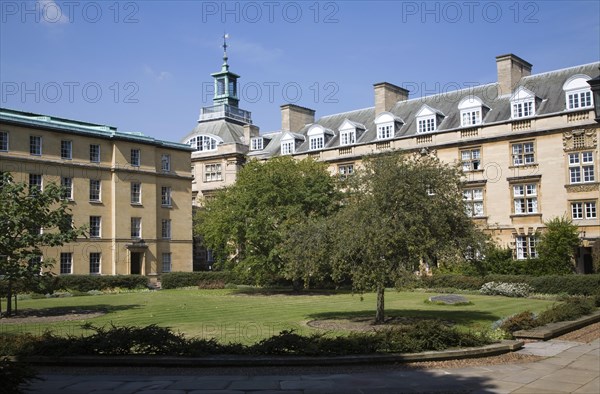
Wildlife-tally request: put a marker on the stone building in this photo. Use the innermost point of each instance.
(132, 191)
(528, 145)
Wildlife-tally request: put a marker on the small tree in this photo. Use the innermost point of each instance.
(557, 246)
(245, 223)
(24, 211)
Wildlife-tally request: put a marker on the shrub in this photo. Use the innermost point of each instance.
(206, 279)
(521, 321)
(85, 283)
(421, 336)
(551, 284)
(572, 308)
(506, 289)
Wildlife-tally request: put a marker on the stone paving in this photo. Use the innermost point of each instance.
(570, 367)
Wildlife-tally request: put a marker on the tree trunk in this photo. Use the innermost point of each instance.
(379, 315)
(16, 310)
(9, 299)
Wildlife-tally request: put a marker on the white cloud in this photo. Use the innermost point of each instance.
(157, 75)
(51, 13)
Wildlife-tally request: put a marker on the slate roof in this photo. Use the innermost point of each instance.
(547, 87)
(226, 129)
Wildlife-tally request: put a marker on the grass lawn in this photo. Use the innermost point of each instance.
(231, 316)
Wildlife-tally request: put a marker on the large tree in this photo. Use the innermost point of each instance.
(401, 211)
(30, 219)
(244, 223)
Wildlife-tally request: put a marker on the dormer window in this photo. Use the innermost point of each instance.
(203, 143)
(427, 119)
(386, 125)
(350, 132)
(288, 143)
(316, 142)
(257, 143)
(578, 93)
(348, 137)
(287, 147)
(318, 137)
(427, 124)
(522, 104)
(471, 111)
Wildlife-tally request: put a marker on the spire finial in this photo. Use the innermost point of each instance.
(225, 37)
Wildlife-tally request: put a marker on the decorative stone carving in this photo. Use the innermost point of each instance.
(582, 188)
(580, 139)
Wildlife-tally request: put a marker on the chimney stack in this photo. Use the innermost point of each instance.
(250, 131)
(511, 69)
(387, 95)
(295, 117)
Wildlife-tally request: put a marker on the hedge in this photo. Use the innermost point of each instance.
(205, 279)
(86, 283)
(550, 284)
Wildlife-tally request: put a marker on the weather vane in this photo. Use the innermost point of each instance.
(225, 37)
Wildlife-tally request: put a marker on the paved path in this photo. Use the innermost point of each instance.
(570, 367)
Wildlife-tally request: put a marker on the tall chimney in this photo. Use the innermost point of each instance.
(387, 95)
(511, 69)
(250, 131)
(295, 117)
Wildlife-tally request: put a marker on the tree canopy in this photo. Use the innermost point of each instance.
(244, 224)
(400, 211)
(557, 245)
(24, 212)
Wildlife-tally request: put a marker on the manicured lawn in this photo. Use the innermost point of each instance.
(233, 317)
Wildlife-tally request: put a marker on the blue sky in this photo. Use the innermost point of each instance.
(145, 65)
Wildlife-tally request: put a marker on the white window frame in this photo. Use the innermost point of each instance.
(4, 141)
(581, 167)
(67, 185)
(95, 226)
(348, 137)
(523, 153)
(345, 170)
(66, 263)
(95, 263)
(470, 117)
(136, 193)
(525, 247)
(165, 162)
(203, 143)
(316, 142)
(426, 124)
(165, 196)
(578, 93)
(35, 145)
(95, 190)
(165, 230)
(575, 99)
(136, 157)
(584, 210)
(473, 198)
(288, 147)
(167, 262)
(385, 131)
(471, 159)
(213, 172)
(525, 198)
(522, 109)
(66, 149)
(95, 153)
(136, 227)
(257, 143)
